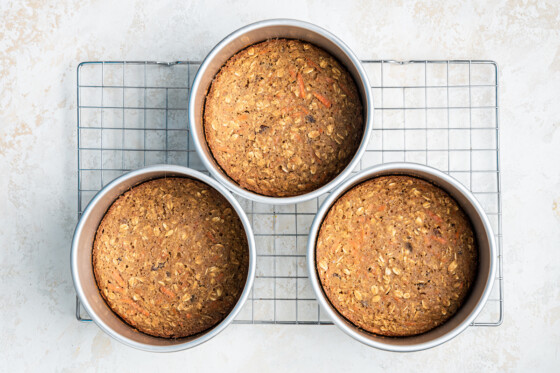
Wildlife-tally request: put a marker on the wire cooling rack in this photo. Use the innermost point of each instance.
(440, 113)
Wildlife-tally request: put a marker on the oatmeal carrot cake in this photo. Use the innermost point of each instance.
(170, 257)
(283, 118)
(396, 256)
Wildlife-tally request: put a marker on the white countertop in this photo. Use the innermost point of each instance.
(40, 47)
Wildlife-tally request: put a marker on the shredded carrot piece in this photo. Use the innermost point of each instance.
(135, 306)
(301, 85)
(313, 64)
(115, 288)
(243, 117)
(304, 109)
(381, 208)
(297, 113)
(438, 239)
(143, 312)
(189, 316)
(167, 292)
(287, 109)
(223, 149)
(434, 216)
(292, 73)
(210, 236)
(325, 101)
(118, 278)
(346, 90)
(128, 301)
(354, 243)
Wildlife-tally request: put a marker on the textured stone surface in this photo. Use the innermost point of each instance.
(40, 47)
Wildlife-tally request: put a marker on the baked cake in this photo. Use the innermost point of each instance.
(396, 256)
(283, 118)
(170, 257)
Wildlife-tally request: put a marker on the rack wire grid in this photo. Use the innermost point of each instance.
(440, 113)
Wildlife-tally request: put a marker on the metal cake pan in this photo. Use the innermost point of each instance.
(82, 268)
(481, 288)
(254, 33)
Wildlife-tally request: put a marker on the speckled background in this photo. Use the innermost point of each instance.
(40, 47)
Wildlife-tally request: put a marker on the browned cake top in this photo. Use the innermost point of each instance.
(283, 118)
(171, 257)
(396, 256)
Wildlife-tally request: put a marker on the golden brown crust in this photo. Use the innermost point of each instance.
(396, 256)
(266, 135)
(170, 257)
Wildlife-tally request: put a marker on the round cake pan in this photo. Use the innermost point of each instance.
(82, 268)
(254, 33)
(481, 288)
